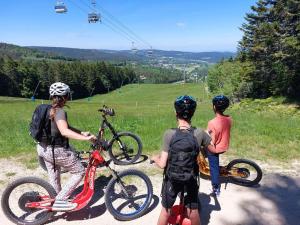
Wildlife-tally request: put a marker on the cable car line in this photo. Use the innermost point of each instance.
(113, 23)
(110, 21)
(125, 35)
(120, 26)
(104, 23)
(78, 6)
(116, 26)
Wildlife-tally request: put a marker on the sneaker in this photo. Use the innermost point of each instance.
(216, 192)
(60, 205)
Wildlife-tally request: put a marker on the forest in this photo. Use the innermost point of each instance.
(25, 72)
(25, 78)
(268, 59)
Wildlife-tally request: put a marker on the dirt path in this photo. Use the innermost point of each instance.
(276, 201)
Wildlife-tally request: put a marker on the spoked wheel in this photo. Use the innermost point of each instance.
(244, 172)
(23, 191)
(125, 148)
(129, 196)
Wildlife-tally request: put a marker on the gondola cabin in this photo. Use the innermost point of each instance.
(94, 17)
(60, 7)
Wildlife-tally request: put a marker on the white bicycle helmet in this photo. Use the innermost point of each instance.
(59, 89)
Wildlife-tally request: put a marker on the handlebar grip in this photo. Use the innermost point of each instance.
(107, 111)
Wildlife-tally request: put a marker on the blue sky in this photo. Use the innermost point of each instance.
(187, 25)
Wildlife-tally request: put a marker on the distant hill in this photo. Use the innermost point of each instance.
(90, 54)
(210, 57)
(17, 52)
(141, 55)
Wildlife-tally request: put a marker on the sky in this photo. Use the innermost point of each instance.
(184, 25)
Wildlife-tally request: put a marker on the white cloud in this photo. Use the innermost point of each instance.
(180, 24)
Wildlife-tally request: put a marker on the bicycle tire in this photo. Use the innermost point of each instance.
(241, 180)
(116, 212)
(122, 159)
(8, 191)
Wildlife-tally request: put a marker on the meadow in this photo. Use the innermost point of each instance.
(147, 110)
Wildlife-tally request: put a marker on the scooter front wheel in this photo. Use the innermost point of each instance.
(244, 172)
(129, 195)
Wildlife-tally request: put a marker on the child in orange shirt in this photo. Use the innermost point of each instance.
(219, 129)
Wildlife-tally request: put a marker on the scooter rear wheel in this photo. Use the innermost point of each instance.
(22, 191)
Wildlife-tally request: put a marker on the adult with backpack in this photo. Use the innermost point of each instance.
(51, 130)
(178, 158)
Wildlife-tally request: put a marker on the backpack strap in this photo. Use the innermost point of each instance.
(195, 138)
(192, 130)
(53, 158)
(52, 142)
(165, 169)
(165, 177)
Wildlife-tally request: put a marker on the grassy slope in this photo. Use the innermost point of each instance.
(147, 110)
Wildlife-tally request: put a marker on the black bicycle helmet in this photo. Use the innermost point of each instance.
(221, 102)
(185, 106)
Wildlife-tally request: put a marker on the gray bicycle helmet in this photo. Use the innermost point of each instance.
(59, 89)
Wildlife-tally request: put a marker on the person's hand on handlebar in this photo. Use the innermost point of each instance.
(85, 133)
(90, 137)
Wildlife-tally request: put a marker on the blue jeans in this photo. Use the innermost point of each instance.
(213, 159)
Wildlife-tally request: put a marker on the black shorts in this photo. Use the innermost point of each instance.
(170, 191)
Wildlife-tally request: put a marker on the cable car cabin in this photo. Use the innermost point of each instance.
(149, 52)
(134, 50)
(93, 17)
(60, 7)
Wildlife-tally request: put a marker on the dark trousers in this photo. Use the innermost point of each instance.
(213, 159)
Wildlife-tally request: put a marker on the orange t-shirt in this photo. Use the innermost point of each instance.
(220, 132)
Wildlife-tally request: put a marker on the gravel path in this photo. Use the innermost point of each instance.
(275, 201)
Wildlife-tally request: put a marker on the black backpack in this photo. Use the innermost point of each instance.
(182, 163)
(40, 126)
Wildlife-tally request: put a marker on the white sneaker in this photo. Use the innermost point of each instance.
(60, 205)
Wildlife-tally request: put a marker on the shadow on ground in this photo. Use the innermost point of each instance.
(277, 203)
(206, 207)
(284, 193)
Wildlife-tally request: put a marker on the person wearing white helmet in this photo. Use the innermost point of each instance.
(59, 89)
(59, 154)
